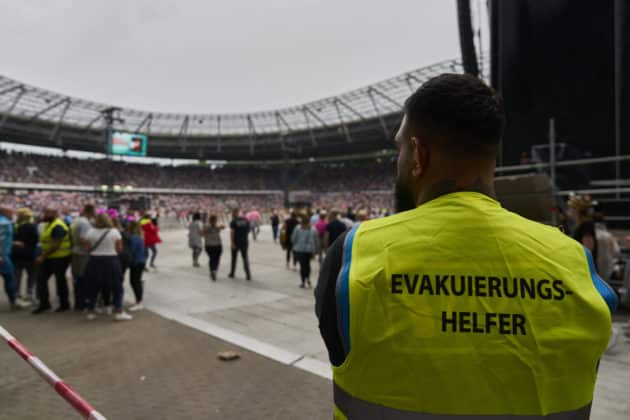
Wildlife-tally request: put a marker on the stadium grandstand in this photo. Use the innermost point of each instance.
(333, 152)
(337, 151)
(359, 121)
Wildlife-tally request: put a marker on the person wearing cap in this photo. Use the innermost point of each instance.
(25, 238)
(6, 265)
(455, 307)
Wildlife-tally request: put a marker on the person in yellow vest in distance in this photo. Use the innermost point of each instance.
(455, 307)
(54, 260)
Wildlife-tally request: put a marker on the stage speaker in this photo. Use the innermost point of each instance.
(555, 59)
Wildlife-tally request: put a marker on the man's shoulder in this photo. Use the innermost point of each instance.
(523, 225)
(336, 224)
(376, 225)
(82, 222)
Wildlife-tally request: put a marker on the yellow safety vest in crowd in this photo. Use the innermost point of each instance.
(462, 308)
(65, 249)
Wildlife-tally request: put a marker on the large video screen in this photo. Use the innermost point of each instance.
(128, 144)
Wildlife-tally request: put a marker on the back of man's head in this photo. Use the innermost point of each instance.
(459, 112)
(448, 140)
(88, 210)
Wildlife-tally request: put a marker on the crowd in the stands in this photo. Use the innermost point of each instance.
(40, 169)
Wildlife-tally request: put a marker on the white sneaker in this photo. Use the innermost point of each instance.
(99, 310)
(122, 316)
(109, 310)
(22, 303)
(136, 307)
(90, 316)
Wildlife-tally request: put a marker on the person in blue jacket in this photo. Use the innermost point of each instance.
(6, 243)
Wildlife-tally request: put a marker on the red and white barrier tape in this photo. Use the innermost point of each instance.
(67, 393)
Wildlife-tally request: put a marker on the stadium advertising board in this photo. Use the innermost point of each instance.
(128, 144)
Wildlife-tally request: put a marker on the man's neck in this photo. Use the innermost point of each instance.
(448, 186)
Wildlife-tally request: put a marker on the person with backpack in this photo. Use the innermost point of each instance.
(138, 260)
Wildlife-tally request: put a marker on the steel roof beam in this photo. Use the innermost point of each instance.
(12, 106)
(317, 117)
(281, 136)
(219, 134)
(93, 121)
(386, 97)
(11, 89)
(409, 78)
(279, 118)
(182, 140)
(354, 111)
(55, 131)
(147, 120)
(48, 108)
(380, 116)
(252, 134)
(310, 129)
(343, 124)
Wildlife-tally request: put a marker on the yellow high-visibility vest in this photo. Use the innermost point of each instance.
(462, 308)
(46, 239)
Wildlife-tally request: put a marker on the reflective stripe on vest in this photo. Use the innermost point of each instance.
(342, 291)
(65, 248)
(460, 307)
(353, 408)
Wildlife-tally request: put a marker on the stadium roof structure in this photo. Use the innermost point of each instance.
(359, 121)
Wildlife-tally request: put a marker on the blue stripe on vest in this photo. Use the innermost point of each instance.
(602, 287)
(342, 291)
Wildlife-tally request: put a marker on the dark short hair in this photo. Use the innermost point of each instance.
(89, 209)
(458, 107)
(196, 216)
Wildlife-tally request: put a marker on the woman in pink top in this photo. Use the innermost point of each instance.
(320, 227)
(254, 222)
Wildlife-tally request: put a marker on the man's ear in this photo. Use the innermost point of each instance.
(420, 154)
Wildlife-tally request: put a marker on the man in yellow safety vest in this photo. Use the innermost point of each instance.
(455, 307)
(54, 260)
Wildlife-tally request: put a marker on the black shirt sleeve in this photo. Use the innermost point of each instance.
(325, 301)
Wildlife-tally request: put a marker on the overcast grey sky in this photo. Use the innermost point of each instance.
(219, 55)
